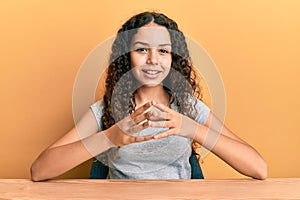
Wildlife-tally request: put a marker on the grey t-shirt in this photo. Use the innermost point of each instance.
(166, 158)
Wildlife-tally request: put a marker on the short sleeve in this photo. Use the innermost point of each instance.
(202, 112)
(97, 109)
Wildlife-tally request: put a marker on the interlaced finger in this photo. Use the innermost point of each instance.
(156, 114)
(162, 107)
(141, 109)
(140, 118)
(137, 128)
(161, 124)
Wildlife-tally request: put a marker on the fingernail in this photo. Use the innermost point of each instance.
(155, 137)
(145, 124)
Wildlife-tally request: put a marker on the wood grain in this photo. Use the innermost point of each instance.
(150, 189)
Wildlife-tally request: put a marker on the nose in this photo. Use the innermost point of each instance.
(152, 57)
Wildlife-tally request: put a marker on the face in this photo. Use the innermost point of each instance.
(150, 54)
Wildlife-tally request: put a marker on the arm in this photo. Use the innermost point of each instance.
(230, 148)
(84, 142)
(214, 136)
(67, 152)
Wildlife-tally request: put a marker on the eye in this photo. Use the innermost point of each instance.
(142, 50)
(163, 51)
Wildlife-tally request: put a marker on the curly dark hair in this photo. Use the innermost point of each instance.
(120, 85)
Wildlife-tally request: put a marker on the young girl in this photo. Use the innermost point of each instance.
(150, 115)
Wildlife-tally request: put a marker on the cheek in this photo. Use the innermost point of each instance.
(136, 60)
(132, 63)
(167, 62)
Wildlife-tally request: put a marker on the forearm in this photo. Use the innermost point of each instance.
(241, 156)
(58, 160)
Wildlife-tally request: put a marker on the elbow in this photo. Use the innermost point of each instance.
(262, 172)
(34, 174)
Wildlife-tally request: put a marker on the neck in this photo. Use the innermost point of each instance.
(145, 94)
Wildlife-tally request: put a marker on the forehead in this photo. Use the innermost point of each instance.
(152, 35)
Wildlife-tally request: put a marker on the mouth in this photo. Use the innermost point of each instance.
(151, 72)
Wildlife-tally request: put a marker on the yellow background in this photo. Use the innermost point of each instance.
(255, 45)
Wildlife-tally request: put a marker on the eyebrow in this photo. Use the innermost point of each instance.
(146, 44)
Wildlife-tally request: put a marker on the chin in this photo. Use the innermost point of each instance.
(151, 84)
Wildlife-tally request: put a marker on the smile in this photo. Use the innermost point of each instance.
(151, 72)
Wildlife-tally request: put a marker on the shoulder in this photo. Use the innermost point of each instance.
(201, 109)
(98, 104)
(97, 109)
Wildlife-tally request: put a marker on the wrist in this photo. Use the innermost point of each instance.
(97, 143)
(188, 127)
(111, 135)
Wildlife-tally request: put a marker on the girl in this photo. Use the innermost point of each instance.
(150, 114)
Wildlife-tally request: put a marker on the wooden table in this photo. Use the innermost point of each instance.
(150, 189)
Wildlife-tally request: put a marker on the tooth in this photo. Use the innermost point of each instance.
(151, 72)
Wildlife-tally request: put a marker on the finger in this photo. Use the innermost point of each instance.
(137, 128)
(143, 138)
(162, 107)
(165, 134)
(156, 114)
(161, 124)
(140, 114)
(141, 109)
(140, 118)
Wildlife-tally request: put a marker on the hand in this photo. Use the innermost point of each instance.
(121, 133)
(162, 116)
